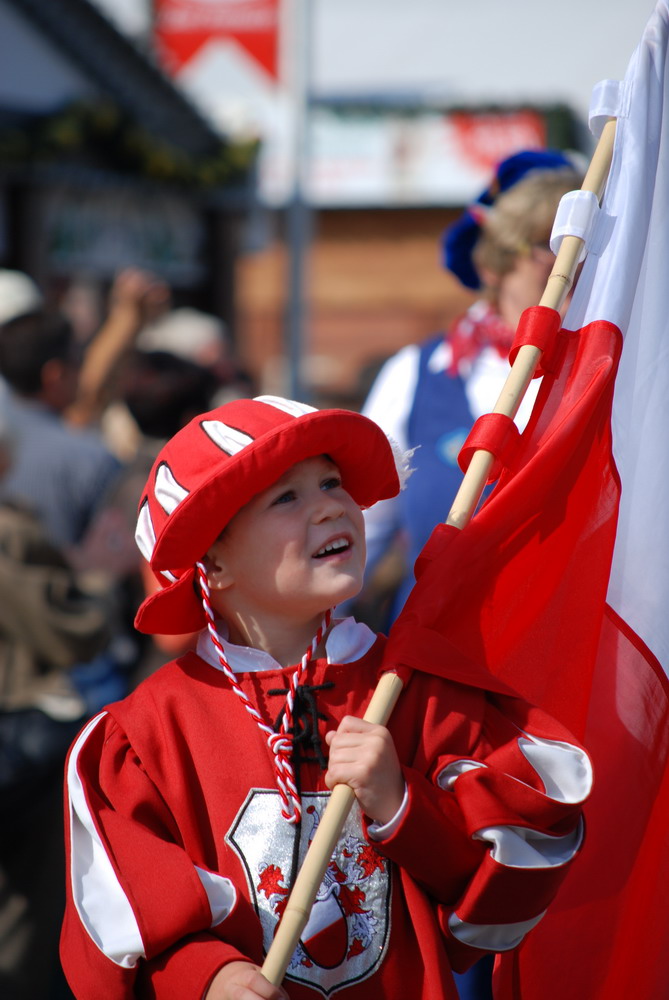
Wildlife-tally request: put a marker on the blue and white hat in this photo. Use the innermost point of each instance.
(459, 240)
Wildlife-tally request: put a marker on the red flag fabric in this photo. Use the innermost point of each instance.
(560, 583)
(516, 592)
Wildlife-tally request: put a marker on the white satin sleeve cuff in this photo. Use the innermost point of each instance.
(221, 894)
(386, 830)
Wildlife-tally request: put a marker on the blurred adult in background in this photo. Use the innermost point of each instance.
(59, 472)
(141, 317)
(428, 395)
(49, 625)
(135, 299)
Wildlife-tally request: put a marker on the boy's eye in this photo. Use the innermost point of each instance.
(283, 498)
(331, 483)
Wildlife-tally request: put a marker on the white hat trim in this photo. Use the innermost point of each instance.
(145, 534)
(290, 406)
(228, 439)
(169, 493)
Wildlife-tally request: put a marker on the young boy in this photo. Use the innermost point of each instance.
(191, 803)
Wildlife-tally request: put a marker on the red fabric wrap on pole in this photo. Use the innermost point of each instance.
(496, 433)
(539, 326)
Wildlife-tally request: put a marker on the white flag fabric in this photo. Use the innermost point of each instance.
(607, 936)
(625, 279)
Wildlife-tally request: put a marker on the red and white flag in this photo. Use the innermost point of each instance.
(560, 584)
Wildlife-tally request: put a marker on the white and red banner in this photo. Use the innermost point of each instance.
(184, 27)
(560, 584)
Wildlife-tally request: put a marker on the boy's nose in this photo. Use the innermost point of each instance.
(327, 507)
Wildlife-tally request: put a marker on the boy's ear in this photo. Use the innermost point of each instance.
(219, 577)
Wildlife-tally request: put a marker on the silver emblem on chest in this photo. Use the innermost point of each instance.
(347, 933)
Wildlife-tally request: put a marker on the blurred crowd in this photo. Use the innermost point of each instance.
(84, 409)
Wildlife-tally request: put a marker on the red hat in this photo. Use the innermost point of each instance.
(214, 465)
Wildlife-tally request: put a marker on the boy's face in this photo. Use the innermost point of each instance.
(294, 550)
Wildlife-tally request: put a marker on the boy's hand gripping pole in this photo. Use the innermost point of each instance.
(383, 701)
(327, 834)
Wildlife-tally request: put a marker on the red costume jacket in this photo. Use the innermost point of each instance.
(179, 860)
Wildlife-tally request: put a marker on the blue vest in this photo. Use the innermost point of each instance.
(439, 422)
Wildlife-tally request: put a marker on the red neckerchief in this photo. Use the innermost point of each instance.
(478, 328)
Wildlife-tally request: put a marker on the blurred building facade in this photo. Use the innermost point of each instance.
(105, 164)
(381, 169)
(385, 181)
(400, 114)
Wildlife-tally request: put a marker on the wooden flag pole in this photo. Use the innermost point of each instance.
(390, 685)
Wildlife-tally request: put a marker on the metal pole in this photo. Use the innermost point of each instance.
(298, 214)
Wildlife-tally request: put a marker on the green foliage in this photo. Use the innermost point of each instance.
(101, 135)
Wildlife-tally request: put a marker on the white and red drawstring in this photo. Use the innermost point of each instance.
(281, 743)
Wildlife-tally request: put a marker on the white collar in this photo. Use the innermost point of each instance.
(347, 641)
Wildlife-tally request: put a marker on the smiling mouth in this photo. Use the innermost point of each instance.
(333, 548)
